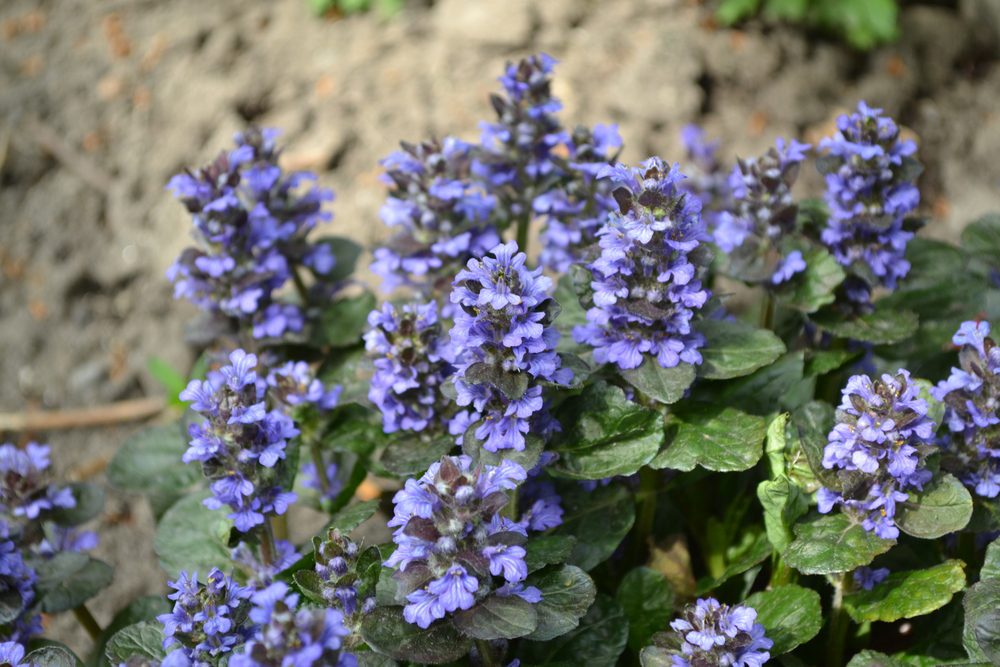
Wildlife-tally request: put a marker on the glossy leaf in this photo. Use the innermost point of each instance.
(567, 594)
(343, 321)
(51, 656)
(814, 288)
(791, 615)
(648, 601)
(604, 434)
(346, 252)
(981, 635)
(192, 537)
(387, 632)
(665, 385)
(883, 326)
(715, 437)
(69, 579)
(150, 461)
(832, 543)
(784, 503)
(497, 617)
(597, 642)
(141, 640)
(907, 594)
(545, 550)
(944, 506)
(89, 503)
(734, 349)
(779, 386)
(598, 519)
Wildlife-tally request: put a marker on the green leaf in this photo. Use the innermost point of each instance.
(411, 456)
(311, 586)
(991, 563)
(981, 635)
(734, 349)
(353, 516)
(571, 314)
(815, 287)
(821, 362)
(150, 461)
(89, 503)
(342, 322)
(604, 434)
(982, 239)
(883, 326)
(734, 11)
(784, 503)
(354, 428)
(597, 642)
(832, 543)
(69, 579)
(192, 537)
(780, 386)
(812, 424)
(347, 253)
(142, 640)
(715, 437)
(567, 594)
(497, 617)
(791, 616)
(907, 594)
(874, 659)
(387, 632)
(352, 370)
(944, 506)
(753, 550)
(648, 601)
(545, 550)
(935, 408)
(51, 656)
(775, 444)
(666, 385)
(145, 608)
(527, 458)
(598, 519)
(172, 381)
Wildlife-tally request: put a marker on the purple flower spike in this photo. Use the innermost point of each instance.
(710, 633)
(250, 221)
(411, 365)
(646, 290)
(454, 548)
(878, 448)
(870, 190)
(971, 395)
(241, 444)
(504, 348)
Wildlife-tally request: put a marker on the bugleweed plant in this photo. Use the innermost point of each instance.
(593, 450)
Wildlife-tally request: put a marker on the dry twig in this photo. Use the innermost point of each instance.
(101, 415)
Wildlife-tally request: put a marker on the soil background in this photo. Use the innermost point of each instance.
(101, 101)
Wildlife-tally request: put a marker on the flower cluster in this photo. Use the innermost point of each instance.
(25, 492)
(542, 502)
(517, 153)
(441, 214)
(451, 539)
(208, 619)
(575, 208)
(504, 347)
(710, 633)
(645, 284)
(971, 395)
(411, 365)
(878, 448)
(259, 572)
(762, 213)
(343, 571)
(17, 588)
(708, 179)
(290, 634)
(250, 221)
(870, 190)
(241, 443)
(294, 384)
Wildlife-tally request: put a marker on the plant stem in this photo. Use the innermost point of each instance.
(767, 310)
(839, 623)
(300, 285)
(320, 465)
(485, 653)
(647, 513)
(87, 621)
(280, 527)
(267, 548)
(522, 233)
